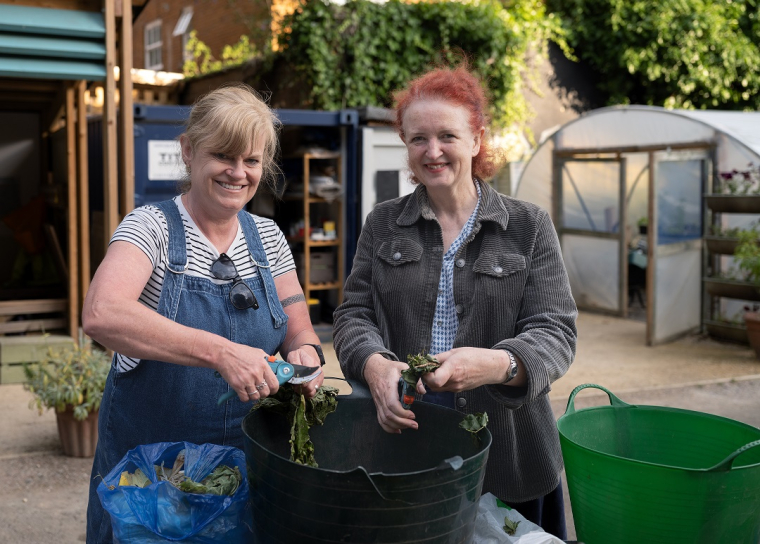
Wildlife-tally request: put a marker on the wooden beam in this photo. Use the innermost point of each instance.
(21, 96)
(72, 223)
(30, 325)
(56, 109)
(84, 191)
(28, 85)
(126, 120)
(34, 306)
(110, 153)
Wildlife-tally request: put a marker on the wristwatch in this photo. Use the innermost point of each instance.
(321, 355)
(512, 370)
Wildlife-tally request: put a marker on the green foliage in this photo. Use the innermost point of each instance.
(418, 365)
(357, 54)
(673, 53)
(747, 255)
(68, 377)
(203, 62)
(474, 423)
(301, 414)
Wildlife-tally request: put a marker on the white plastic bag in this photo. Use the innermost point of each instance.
(489, 525)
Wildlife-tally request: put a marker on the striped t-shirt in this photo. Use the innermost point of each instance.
(146, 228)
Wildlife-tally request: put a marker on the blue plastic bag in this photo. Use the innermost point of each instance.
(161, 512)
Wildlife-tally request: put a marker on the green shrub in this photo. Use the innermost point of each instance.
(356, 54)
(692, 54)
(66, 377)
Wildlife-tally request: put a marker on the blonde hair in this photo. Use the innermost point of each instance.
(231, 120)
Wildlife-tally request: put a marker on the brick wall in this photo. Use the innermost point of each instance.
(217, 22)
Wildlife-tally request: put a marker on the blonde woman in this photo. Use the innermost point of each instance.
(193, 286)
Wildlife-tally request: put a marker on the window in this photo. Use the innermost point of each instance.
(153, 46)
(182, 28)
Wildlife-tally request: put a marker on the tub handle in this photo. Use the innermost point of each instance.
(377, 489)
(614, 401)
(726, 464)
(454, 463)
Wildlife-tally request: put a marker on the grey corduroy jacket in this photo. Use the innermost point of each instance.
(511, 292)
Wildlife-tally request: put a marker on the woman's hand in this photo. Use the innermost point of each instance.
(307, 356)
(463, 369)
(246, 370)
(382, 377)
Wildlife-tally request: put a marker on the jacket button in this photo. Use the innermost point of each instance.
(498, 269)
(459, 308)
(461, 402)
(460, 263)
(397, 256)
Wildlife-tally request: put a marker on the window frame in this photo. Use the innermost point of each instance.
(152, 47)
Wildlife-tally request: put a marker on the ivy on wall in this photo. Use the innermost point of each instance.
(673, 53)
(356, 54)
(201, 61)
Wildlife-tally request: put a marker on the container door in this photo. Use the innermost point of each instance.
(590, 211)
(676, 189)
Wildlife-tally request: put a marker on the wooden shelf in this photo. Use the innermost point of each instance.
(313, 243)
(324, 286)
(306, 243)
(733, 203)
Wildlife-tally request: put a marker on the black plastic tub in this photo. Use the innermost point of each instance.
(371, 486)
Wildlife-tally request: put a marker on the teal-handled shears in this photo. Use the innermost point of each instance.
(285, 372)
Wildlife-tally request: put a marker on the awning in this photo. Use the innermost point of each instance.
(51, 43)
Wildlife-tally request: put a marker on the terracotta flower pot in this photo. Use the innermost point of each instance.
(752, 320)
(78, 438)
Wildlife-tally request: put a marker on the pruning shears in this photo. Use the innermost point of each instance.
(406, 393)
(285, 372)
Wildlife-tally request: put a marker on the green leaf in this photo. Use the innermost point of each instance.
(474, 423)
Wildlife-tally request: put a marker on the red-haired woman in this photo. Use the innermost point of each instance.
(474, 277)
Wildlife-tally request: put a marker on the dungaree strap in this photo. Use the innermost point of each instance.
(259, 256)
(168, 302)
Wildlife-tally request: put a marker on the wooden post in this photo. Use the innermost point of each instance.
(110, 153)
(84, 190)
(71, 226)
(126, 120)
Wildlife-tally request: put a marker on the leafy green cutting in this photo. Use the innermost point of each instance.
(223, 480)
(302, 413)
(474, 423)
(510, 527)
(419, 365)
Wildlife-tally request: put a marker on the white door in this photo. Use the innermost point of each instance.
(675, 269)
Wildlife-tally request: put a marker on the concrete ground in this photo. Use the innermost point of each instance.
(44, 496)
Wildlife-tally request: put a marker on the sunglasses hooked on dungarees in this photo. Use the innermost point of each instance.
(241, 295)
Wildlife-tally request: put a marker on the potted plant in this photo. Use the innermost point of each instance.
(747, 259)
(642, 223)
(71, 380)
(739, 192)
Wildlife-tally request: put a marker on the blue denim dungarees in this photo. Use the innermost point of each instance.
(163, 402)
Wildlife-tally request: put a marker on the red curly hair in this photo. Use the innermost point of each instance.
(458, 86)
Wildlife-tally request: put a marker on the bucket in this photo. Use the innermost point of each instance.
(370, 486)
(654, 475)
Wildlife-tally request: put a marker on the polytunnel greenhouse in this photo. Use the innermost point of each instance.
(632, 193)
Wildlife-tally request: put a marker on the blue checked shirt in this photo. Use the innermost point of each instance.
(445, 321)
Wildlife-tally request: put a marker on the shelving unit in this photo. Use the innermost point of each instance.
(716, 287)
(333, 249)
